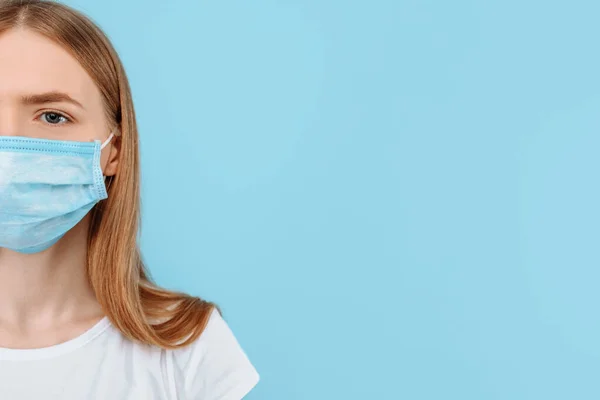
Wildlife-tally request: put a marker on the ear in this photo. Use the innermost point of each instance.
(111, 165)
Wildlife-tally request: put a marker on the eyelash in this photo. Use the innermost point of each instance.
(68, 119)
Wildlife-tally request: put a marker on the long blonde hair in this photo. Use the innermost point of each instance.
(141, 310)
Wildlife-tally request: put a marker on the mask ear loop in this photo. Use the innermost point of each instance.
(107, 141)
(107, 181)
(99, 208)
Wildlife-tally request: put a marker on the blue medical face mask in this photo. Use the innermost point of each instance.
(46, 188)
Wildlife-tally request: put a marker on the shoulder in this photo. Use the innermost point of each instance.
(214, 367)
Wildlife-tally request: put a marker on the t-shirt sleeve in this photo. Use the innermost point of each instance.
(215, 367)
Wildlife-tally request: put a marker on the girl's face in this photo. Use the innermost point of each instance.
(46, 94)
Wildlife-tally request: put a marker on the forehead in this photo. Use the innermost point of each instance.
(31, 63)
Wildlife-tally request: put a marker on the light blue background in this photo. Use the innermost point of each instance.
(389, 199)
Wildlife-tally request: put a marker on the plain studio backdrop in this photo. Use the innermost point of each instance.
(389, 199)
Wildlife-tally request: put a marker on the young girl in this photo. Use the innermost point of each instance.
(79, 317)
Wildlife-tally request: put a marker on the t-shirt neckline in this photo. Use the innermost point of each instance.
(9, 354)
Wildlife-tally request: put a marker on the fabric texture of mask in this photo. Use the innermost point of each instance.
(46, 188)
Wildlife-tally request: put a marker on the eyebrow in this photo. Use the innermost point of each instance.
(49, 97)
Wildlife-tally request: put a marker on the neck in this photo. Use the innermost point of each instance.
(49, 288)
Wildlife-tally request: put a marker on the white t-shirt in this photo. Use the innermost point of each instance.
(102, 364)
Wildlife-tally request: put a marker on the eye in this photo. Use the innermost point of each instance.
(54, 118)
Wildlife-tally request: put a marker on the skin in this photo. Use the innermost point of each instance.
(45, 298)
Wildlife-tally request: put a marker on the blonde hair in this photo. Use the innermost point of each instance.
(140, 309)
